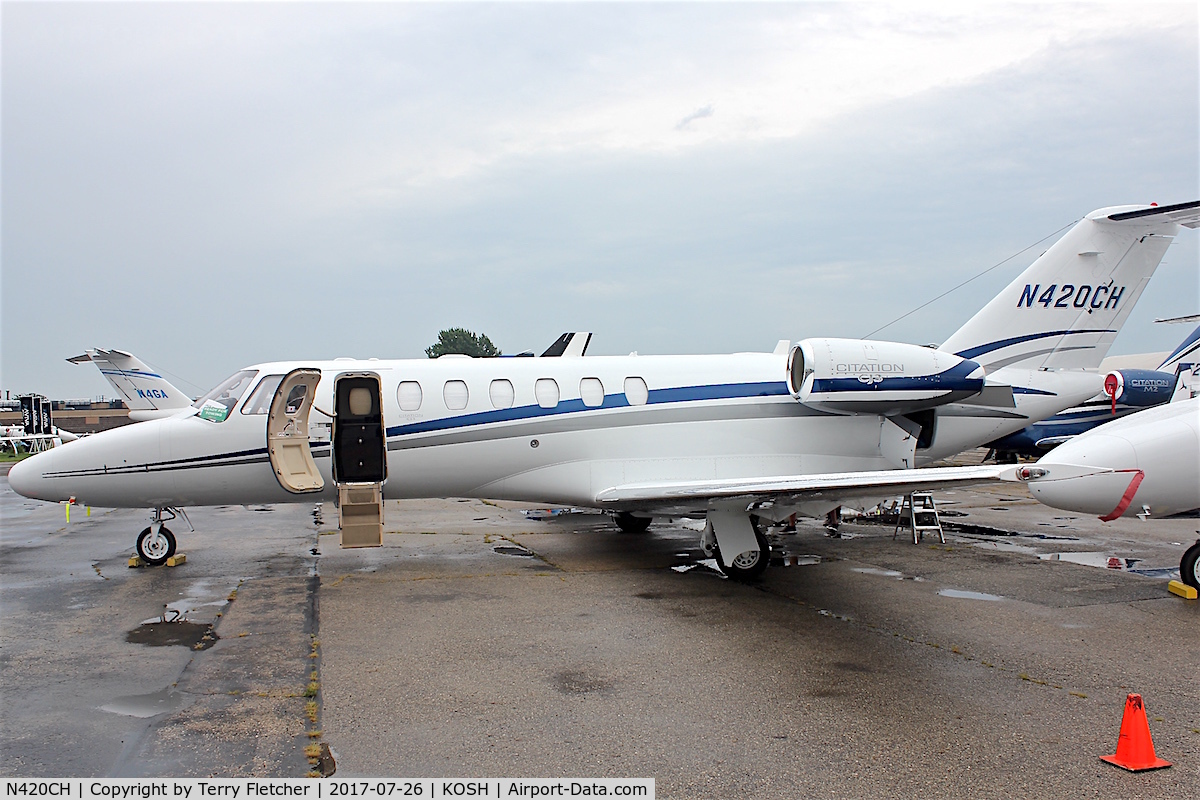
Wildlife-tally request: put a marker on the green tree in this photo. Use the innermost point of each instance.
(461, 340)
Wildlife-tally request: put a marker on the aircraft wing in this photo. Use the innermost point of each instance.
(685, 496)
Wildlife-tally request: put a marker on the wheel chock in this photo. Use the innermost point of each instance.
(1182, 589)
(135, 562)
(1135, 749)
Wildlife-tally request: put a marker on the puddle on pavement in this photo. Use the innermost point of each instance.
(790, 560)
(1093, 560)
(511, 550)
(162, 634)
(165, 701)
(1117, 563)
(886, 573)
(709, 564)
(962, 594)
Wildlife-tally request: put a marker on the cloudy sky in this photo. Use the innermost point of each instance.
(214, 185)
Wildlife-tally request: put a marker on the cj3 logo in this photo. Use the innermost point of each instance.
(870, 373)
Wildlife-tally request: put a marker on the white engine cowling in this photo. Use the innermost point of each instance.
(863, 376)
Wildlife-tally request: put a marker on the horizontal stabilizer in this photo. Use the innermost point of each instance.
(992, 396)
(1185, 214)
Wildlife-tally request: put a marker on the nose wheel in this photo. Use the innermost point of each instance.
(1189, 566)
(156, 544)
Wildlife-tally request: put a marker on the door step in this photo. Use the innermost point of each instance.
(360, 514)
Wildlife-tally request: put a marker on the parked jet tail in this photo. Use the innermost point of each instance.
(147, 393)
(1064, 311)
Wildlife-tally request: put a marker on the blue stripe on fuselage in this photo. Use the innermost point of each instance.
(678, 394)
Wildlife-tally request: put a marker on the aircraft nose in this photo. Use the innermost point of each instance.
(25, 477)
(1092, 476)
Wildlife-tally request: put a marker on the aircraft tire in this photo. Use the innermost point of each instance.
(155, 550)
(1189, 566)
(748, 566)
(628, 523)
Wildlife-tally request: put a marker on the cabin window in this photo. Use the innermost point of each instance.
(502, 393)
(591, 391)
(636, 393)
(455, 394)
(408, 395)
(546, 392)
(260, 401)
(216, 405)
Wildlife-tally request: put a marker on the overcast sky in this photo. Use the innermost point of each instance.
(210, 186)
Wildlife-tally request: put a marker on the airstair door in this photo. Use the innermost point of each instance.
(287, 432)
(359, 458)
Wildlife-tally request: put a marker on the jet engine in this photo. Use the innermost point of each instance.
(1140, 388)
(888, 378)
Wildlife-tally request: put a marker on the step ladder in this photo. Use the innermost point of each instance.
(920, 513)
(360, 514)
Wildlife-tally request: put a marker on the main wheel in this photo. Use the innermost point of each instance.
(1189, 566)
(156, 546)
(750, 565)
(628, 523)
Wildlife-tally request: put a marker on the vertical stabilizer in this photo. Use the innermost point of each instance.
(140, 387)
(1065, 310)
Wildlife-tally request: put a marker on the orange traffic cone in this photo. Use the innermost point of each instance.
(1135, 750)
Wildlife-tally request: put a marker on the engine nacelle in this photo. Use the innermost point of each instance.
(862, 376)
(1139, 387)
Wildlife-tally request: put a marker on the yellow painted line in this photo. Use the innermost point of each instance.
(1182, 589)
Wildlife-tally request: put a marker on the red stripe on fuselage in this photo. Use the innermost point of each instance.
(1126, 498)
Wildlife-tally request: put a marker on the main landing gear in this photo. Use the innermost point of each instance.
(750, 565)
(1189, 566)
(156, 544)
(738, 531)
(628, 523)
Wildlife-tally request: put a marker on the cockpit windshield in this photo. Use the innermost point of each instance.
(217, 404)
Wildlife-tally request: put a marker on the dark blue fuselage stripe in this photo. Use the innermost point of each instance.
(681, 394)
(972, 352)
(951, 379)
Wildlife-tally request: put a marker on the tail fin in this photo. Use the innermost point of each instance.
(140, 387)
(1188, 350)
(1064, 311)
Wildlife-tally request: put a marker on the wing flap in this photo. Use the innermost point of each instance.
(795, 488)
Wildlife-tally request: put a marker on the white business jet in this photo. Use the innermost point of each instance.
(1144, 464)
(147, 394)
(735, 438)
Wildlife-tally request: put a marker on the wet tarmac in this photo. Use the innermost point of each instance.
(481, 641)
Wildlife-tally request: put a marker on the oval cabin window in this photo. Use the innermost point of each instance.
(546, 392)
(502, 393)
(636, 392)
(591, 391)
(455, 395)
(408, 395)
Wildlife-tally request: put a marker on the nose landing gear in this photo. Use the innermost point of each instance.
(1189, 566)
(156, 544)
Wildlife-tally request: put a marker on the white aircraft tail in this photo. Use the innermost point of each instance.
(140, 387)
(1065, 310)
